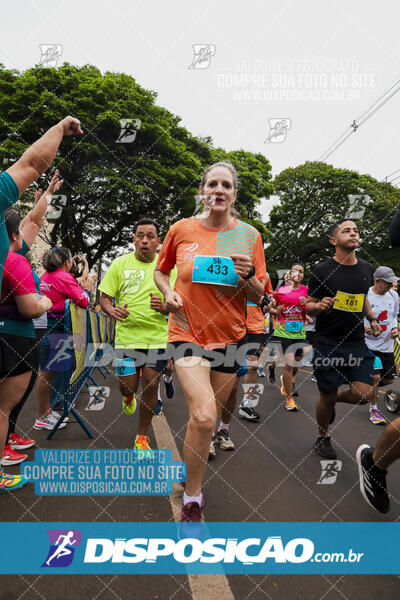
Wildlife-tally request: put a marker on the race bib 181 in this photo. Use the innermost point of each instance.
(217, 270)
(349, 302)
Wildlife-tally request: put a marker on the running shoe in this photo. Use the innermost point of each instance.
(271, 373)
(291, 405)
(56, 416)
(169, 388)
(159, 407)
(12, 457)
(314, 379)
(323, 447)
(47, 423)
(129, 405)
(283, 391)
(9, 483)
(372, 480)
(260, 372)
(142, 443)
(376, 417)
(19, 443)
(191, 513)
(212, 452)
(223, 440)
(248, 412)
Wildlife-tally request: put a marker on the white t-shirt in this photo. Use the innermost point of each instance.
(385, 308)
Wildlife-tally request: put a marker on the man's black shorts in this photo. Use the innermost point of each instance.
(224, 360)
(17, 355)
(388, 370)
(339, 365)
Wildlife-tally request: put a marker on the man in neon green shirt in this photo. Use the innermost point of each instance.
(142, 328)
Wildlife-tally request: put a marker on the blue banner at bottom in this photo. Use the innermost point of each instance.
(204, 548)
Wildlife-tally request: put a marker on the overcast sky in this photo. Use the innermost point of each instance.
(316, 65)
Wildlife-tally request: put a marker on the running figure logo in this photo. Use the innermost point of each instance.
(50, 54)
(330, 470)
(61, 351)
(56, 206)
(357, 205)
(98, 397)
(278, 129)
(129, 129)
(63, 543)
(203, 54)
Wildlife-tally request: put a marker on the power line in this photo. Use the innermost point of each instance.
(367, 114)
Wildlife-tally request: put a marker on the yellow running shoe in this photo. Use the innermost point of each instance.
(142, 443)
(129, 405)
(9, 483)
(291, 404)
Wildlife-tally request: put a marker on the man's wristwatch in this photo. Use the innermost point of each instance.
(251, 273)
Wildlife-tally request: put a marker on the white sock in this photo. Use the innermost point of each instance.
(166, 378)
(187, 499)
(159, 393)
(223, 426)
(373, 407)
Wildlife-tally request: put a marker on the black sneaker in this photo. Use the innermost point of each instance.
(169, 389)
(323, 447)
(372, 480)
(248, 412)
(271, 373)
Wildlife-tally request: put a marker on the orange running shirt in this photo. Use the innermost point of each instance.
(255, 317)
(212, 316)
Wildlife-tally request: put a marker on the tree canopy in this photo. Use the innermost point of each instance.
(110, 185)
(315, 195)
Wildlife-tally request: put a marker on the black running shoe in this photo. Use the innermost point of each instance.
(169, 389)
(372, 480)
(271, 373)
(323, 447)
(248, 412)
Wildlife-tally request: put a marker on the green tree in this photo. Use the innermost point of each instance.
(315, 195)
(110, 185)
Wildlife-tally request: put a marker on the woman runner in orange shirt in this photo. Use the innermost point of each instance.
(220, 262)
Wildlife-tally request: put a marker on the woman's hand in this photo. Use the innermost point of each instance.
(173, 302)
(242, 264)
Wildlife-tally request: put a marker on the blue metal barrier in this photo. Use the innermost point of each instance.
(84, 326)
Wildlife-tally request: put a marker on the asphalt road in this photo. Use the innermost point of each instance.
(272, 475)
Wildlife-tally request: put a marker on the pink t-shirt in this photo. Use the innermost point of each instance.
(60, 286)
(17, 281)
(291, 322)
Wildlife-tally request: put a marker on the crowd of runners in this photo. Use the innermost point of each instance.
(201, 305)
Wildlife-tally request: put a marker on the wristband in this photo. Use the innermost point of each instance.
(373, 319)
(251, 273)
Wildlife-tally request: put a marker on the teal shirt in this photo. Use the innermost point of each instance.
(8, 197)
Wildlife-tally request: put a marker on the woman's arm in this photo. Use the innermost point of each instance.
(33, 222)
(30, 307)
(38, 157)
